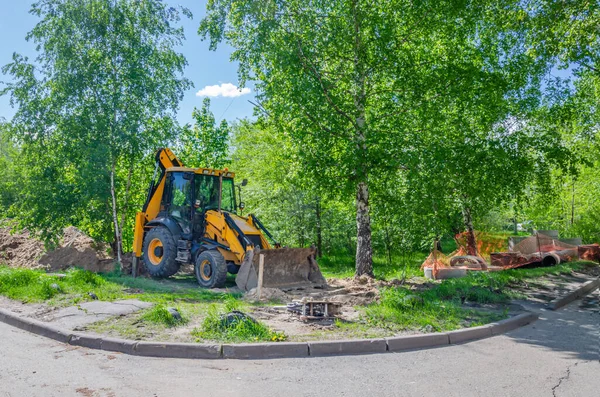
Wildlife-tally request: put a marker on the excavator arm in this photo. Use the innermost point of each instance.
(165, 158)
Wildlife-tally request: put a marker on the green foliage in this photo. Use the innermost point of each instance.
(100, 97)
(159, 314)
(204, 144)
(10, 179)
(215, 327)
(280, 194)
(425, 106)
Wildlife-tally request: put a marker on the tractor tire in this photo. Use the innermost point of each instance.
(211, 269)
(159, 253)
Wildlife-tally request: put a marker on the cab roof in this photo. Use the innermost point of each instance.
(204, 171)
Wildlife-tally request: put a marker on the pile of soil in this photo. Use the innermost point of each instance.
(21, 249)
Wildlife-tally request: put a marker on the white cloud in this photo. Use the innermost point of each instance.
(226, 90)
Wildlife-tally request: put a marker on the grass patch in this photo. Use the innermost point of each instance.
(397, 267)
(402, 309)
(30, 285)
(441, 307)
(27, 285)
(160, 314)
(218, 326)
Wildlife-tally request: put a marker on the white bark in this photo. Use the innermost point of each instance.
(115, 217)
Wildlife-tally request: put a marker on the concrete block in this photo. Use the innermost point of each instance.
(177, 350)
(515, 322)
(118, 345)
(84, 340)
(265, 350)
(345, 347)
(412, 342)
(469, 334)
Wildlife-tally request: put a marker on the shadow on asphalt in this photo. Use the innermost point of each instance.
(573, 330)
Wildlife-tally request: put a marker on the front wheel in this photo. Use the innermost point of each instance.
(211, 269)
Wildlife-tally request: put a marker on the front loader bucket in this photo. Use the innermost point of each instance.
(283, 267)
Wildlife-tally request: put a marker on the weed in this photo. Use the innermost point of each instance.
(159, 314)
(234, 328)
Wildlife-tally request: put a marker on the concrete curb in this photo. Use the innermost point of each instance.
(347, 347)
(580, 292)
(512, 323)
(417, 342)
(257, 351)
(469, 334)
(265, 350)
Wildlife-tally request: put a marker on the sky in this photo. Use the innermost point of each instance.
(211, 72)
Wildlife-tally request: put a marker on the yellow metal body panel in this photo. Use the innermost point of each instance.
(154, 204)
(218, 230)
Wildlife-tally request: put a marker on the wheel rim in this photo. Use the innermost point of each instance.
(155, 251)
(205, 270)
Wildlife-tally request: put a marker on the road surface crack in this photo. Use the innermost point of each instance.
(563, 378)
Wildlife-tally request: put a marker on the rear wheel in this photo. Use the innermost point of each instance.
(160, 252)
(211, 269)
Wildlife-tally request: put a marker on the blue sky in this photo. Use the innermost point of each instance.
(206, 68)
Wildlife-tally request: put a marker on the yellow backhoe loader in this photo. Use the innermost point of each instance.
(190, 216)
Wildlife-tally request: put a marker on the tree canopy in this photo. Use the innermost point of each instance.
(101, 94)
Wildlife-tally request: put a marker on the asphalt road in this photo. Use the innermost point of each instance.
(559, 355)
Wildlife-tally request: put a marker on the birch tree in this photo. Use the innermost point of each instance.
(101, 93)
(352, 81)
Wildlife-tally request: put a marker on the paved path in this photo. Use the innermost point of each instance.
(559, 355)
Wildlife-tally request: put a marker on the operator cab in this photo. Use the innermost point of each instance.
(190, 193)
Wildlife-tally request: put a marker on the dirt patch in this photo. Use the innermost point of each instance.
(350, 293)
(21, 249)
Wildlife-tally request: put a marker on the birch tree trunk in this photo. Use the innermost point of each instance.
(364, 249)
(125, 203)
(115, 216)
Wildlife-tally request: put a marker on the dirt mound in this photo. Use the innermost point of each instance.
(21, 249)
